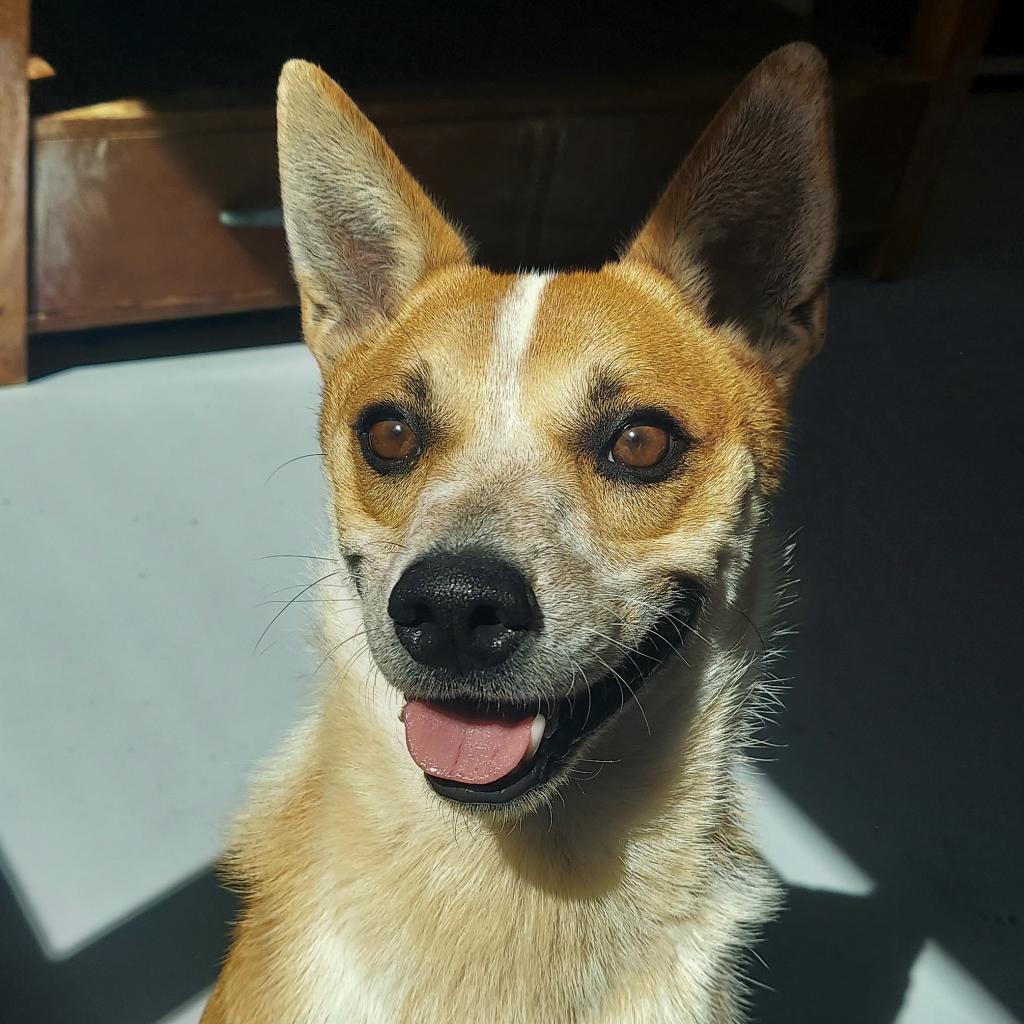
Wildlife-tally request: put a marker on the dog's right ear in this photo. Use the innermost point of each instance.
(361, 232)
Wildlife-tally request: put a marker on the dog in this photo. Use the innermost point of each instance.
(520, 800)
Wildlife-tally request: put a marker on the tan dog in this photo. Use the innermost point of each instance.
(518, 801)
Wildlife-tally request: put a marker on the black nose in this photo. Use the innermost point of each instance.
(462, 612)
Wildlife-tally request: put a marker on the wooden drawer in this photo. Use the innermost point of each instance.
(125, 207)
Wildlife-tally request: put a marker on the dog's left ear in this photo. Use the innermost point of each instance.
(747, 226)
(361, 232)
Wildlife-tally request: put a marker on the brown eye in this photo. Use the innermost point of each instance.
(392, 439)
(640, 446)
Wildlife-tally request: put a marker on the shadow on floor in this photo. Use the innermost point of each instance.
(902, 726)
(835, 958)
(135, 974)
(51, 353)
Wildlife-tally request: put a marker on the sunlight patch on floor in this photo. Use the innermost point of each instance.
(136, 504)
(802, 854)
(189, 1013)
(942, 992)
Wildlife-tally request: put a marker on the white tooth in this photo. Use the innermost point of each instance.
(536, 735)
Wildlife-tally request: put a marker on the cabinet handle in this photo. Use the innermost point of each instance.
(254, 217)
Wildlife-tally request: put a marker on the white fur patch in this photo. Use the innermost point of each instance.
(513, 333)
(503, 399)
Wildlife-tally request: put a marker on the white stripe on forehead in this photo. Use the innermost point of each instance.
(513, 333)
(502, 398)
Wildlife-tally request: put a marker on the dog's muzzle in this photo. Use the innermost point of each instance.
(462, 616)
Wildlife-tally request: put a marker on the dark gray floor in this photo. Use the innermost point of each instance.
(903, 726)
(901, 735)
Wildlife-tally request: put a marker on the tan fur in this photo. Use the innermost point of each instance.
(628, 890)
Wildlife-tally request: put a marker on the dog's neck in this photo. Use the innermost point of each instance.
(630, 856)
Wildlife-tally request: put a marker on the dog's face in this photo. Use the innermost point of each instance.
(537, 479)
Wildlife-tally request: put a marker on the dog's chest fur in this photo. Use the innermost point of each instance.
(364, 911)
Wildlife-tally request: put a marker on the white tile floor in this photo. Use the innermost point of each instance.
(137, 505)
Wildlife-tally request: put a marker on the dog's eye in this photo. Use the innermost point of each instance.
(640, 446)
(392, 439)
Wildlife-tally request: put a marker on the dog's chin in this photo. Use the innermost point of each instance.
(569, 726)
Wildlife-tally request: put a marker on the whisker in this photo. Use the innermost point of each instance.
(358, 652)
(622, 682)
(337, 647)
(753, 626)
(311, 455)
(392, 544)
(630, 651)
(289, 604)
(299, 586)
(584, 776)
(663, 613)
(312, 558)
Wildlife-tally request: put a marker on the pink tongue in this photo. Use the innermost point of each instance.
(464, 747)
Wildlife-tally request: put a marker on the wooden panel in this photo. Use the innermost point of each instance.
(484, 175)
(605, 174)
(875, 128)
(947, 40)
(13, 187)
(126, 228)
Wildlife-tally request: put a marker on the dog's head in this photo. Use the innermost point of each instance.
(536, 479)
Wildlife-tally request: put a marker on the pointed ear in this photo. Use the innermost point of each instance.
(747, 226)
(361, 231)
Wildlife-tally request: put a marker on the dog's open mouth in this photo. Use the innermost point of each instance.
(478, 753)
